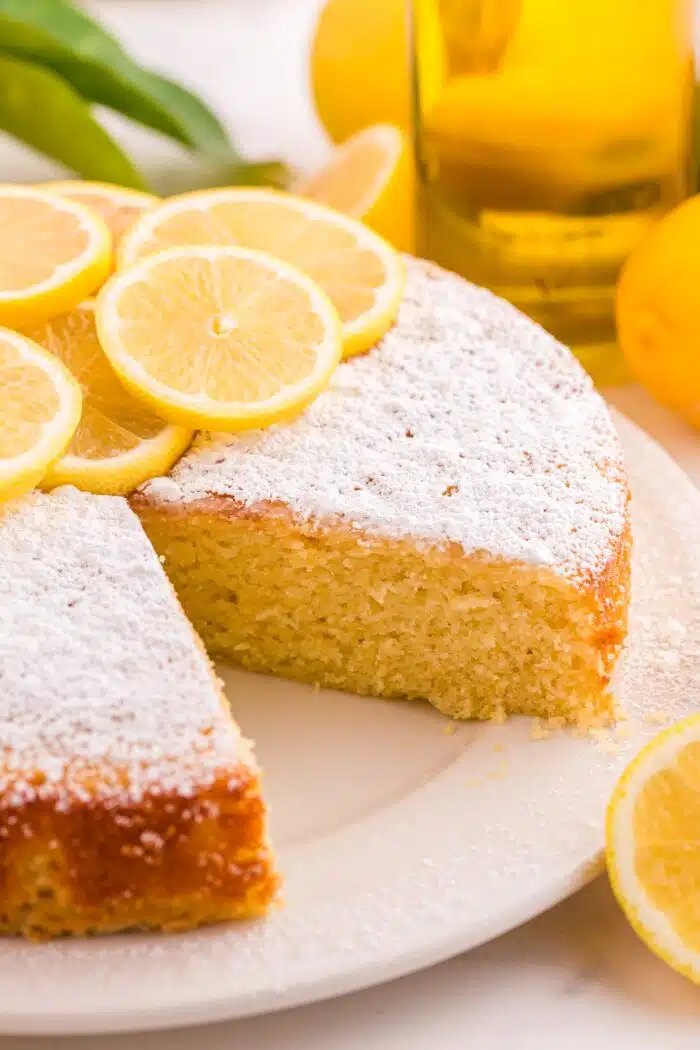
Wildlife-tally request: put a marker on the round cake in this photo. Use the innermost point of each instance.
(449, 520)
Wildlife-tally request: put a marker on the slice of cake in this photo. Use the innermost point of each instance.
(448, 521)
(127, 796)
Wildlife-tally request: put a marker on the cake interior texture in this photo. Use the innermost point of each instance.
(477, 637)
(449, 521)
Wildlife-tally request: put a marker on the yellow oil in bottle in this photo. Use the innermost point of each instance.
(562, 132)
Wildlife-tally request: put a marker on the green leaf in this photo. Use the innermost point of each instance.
(260, 173)
(211, 136)
(56, 34)
(42, 110)
(204, 173)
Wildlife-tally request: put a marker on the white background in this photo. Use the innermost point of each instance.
(575, 977)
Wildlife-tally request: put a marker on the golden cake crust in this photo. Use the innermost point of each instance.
(166, 862)
(610, 589)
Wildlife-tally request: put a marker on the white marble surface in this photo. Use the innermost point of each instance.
(574, 977)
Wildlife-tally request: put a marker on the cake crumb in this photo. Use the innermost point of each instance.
(588, 720)
(544, 728)
(658, 717)
(539, 730)
(605, 740)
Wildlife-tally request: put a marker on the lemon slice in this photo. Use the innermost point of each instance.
(40, 411)
(653, 849)
(361, 274)
(370, 177)
(218, 337)
(53, 253)
(119, 443)
(118, 205)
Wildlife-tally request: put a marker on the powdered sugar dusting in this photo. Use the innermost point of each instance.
(99, 669)
(443, 867)
(467, 424)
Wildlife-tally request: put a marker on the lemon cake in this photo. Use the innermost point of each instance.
(448, 521)
(128, 797)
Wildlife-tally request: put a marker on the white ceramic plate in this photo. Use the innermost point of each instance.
(403, 839)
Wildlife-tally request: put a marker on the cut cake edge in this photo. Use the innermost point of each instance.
(106, 848)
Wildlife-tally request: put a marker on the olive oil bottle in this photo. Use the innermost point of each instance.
(563, 130)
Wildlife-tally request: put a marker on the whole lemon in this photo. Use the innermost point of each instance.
(360, 68)
(658, 311)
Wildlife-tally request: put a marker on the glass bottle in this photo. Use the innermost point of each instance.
(549, 135)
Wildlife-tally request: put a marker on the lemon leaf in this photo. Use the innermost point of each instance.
(56, 34)
(40, 109)
(202, 127)
(209, 174)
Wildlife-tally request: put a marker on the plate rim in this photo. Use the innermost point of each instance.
(308, 993)
(573, 871)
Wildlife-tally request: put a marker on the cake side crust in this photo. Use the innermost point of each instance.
(166, 862)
